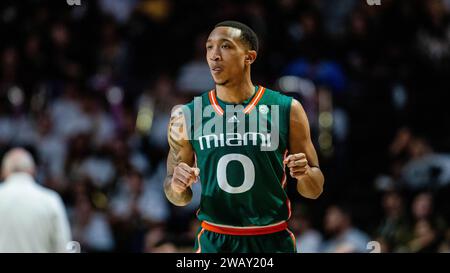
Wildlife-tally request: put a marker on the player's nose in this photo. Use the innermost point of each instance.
(215, 55)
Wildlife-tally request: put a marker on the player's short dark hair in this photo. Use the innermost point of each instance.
(248, 36)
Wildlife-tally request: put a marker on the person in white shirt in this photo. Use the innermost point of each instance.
(32, 218)
(345, 238)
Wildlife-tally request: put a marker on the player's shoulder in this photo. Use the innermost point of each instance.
(277, 97)
(274, 92)
(197, 98)
(186, 111)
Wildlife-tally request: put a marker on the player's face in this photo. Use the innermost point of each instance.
(226, 54)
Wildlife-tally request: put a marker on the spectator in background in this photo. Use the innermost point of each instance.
(33, 219)
(68, 107)
(322, 72)
(307, 34)
(414, 164)
(393, 230)
(99, 169)
(135, 208)
(120, 9)
(77, 150)
(398, 152)
(423, 209)
(6, 123)
(433, 35)
(312, 61)
(9, 65)
(156, 241)
(359, 45)
(426, 238)
(90, 226)
(51, 150)
(194, 77)
(102, 127)
(309, 240)
(112, 60)
(425, 169)
(161, 99)
(427, 229)
(345, 238)
(334, 14)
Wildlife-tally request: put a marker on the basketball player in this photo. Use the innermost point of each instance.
(244, 205)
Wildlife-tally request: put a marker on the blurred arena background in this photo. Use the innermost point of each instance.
(88, 90)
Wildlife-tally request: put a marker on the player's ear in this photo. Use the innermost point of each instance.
(250, 57)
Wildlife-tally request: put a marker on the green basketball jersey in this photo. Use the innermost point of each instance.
(239, 150)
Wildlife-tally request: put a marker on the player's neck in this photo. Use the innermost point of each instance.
(235, 93)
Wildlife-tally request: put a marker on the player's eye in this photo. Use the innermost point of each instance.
(209, 47)
(225, 46)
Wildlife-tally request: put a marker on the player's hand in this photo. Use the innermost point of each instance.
(297, 164)
(183, 177)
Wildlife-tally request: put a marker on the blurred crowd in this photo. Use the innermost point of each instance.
(88, 90)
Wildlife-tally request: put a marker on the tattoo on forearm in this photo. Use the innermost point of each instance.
(176, 131)
(176, 142)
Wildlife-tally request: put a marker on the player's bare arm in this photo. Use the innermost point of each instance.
(302, 161)
(181, 173)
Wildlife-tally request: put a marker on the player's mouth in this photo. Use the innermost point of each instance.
(216, 69)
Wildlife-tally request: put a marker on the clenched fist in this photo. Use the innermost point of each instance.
(183, 177)
(297, 164)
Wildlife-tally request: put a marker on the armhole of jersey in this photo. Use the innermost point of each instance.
(192, 117)
(191, 139)
(288, 111)
(191, 127)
